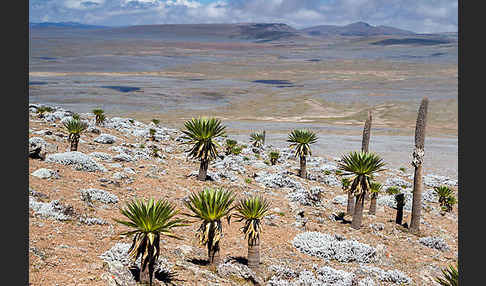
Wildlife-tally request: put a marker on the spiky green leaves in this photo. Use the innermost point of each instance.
(450, 276)
(43, 109)
(362, 166)
(148, 221)
(202, 132)
(375, 188)
(252, 210)
(274, 155)
(232, 148)
(210, 206)
(393, 190)
(301, 140)
(99, 115)
(446, 197)
(75, 127)
(257, 139)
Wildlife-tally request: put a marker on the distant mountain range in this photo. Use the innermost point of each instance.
(360, 29)
(262, 32)
(64, 25)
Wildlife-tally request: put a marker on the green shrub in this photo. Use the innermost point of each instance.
(274, 155)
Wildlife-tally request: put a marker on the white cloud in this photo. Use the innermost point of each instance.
(418, 16)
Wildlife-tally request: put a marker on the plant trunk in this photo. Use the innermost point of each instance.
(254, 255)
(366, 134)
(145, 275)
(416, 200)
(213, 254)
(203, 170)
(74, 144)
(303, 169)
(399, 216)
(417, 161)
(358, 212)
(373, 205)
(351, 202)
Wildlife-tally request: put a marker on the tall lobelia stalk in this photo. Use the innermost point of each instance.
(365, 143)
(418, 157)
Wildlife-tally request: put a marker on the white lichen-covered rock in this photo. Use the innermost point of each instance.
(284, 272)
(98, 195)
(329, 247)
(434, 242)
(232, 163)
(340, 200)
(119, 253)
(321, 276)
(430, 196)
(92, 220)
(122, 157)
(53, 210)
(101, 156)
(306, 197)
(394, 276)
(44, 173)
(230, 267)
(330, 180)
(396, 182)
(330, 276)
(378, 226)
(78, 160)
(436, 181)
(106, 139)
(120, 176)
(389, 201)
(277, 180)
(368, 281)
(38, 147)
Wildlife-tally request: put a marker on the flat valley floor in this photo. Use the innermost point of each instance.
(327, 86)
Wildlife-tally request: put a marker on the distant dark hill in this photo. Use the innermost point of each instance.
(411, 41)
(64, 25)
(267, 32)
(246, 31)
(360, 29)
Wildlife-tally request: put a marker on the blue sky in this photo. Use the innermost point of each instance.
(422, 16)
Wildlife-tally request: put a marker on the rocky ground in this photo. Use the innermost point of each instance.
(74, 196)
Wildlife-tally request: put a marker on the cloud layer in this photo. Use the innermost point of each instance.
(418, 16)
